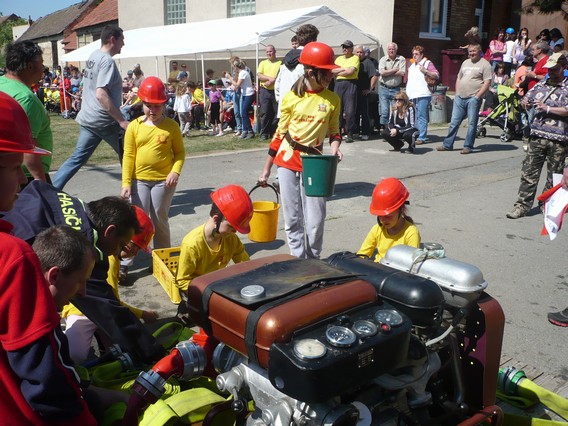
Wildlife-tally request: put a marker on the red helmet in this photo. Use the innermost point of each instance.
(142, 239)
(15, 130)
(388, 196)
(318, 55)
(236, 206)
(152, 91)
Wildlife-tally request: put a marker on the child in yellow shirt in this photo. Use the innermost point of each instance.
(213, 245)
(153, 158)
(393, 226)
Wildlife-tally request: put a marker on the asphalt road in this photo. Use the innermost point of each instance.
(457, 200)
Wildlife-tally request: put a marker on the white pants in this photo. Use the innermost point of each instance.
(79, 331)
(184, 121)
(304, 216)
(155, 198)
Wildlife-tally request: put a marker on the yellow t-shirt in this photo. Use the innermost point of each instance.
(269, 69)
(377, 238)
(197, 258)
(308, 119)
(152, 152)
(197, 97)
(344, 62)
(112, 280)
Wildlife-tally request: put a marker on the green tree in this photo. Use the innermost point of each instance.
(6, 30)
(6, 36)
(547, 7)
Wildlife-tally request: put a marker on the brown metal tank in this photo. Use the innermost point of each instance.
(292, 293)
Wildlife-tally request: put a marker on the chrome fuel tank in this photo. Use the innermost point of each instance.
(460, 282)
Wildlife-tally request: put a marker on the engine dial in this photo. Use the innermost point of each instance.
(388, 316)
(309, 349)
(341, 337)
(364, 328)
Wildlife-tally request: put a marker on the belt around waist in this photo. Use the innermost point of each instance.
(389, 87)
(303, 148)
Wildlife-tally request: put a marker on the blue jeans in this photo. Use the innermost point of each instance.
(89, 140)
(237, 111)
(386, 98)
(463, 107)
(422, 106)
(246, 102)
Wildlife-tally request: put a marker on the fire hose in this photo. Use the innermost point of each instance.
(516, 389)
(186, 361)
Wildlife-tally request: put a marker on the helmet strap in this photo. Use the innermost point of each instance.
(220, 218)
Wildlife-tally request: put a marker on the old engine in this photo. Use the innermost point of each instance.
(413, 340)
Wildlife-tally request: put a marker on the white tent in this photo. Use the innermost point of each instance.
(240, 36)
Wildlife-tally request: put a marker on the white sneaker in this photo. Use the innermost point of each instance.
(220, 134)
(365, 137)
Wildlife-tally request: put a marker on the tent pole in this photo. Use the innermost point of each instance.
(203, 73)
(257, 87)
(196, 67)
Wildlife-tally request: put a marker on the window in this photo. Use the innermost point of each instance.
(82, 40)
(479, 7)
(175, 12)
(241, 8)
(433, 19)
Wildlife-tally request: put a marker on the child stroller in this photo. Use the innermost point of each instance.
(507, 115)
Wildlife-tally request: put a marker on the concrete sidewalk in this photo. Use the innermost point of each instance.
(457, 200)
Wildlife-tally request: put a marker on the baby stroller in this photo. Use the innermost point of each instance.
(507, 115)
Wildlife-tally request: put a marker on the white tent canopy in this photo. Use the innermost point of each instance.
(240, 36)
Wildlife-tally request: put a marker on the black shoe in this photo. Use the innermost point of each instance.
(559, 318)
(397, 145)
(182, 308)
(123, 277)
(412, 147)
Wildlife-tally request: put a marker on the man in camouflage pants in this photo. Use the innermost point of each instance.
(549, 133)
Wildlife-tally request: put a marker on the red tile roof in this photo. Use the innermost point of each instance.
(104, 12)
(56, 23)
(70, 42)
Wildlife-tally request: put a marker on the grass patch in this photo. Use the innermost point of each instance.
(66, 133)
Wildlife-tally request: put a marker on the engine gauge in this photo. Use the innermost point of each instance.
(364, 328)
(388, 316)
(309, 349)
(340, 336)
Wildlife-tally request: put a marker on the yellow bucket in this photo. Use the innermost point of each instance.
(264, 222)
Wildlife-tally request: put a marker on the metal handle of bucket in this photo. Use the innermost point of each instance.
(258, 185)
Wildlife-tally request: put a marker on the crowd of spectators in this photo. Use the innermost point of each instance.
(138, 110)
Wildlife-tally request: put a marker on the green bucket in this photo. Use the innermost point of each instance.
(319, 174)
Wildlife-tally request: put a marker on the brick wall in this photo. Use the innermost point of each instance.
(461, 17)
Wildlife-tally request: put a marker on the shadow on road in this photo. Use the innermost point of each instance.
(252, 247)
(352, 190)
(497, 146)
(186, 201)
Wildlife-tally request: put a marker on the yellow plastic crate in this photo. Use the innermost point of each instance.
(165, 263)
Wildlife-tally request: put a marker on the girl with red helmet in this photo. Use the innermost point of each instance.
(153, 158)
(393, 226)
(309, 112)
